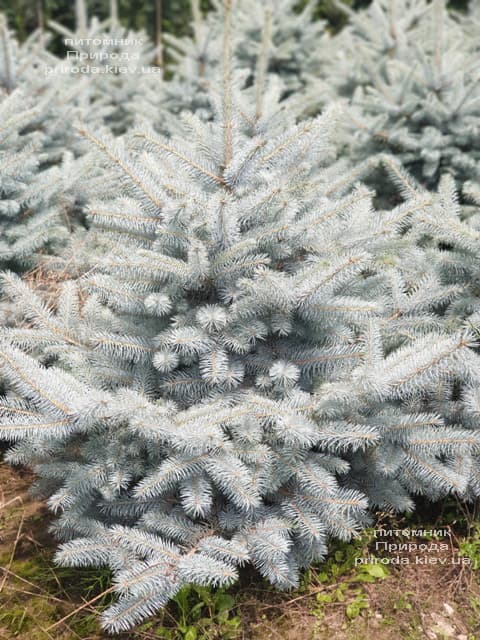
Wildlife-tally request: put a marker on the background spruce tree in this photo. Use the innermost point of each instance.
(44, 161)
(20, 154)
(126, 59)
(29, 217)
(414, 88)
(269, 37)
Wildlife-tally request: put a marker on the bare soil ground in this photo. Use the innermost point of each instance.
(39, 601)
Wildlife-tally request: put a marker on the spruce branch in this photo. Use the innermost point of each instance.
(227, 85)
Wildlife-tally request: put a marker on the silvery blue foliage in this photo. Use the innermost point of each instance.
(46, 170)
(19, 158)
(254, 355)
(410, 69)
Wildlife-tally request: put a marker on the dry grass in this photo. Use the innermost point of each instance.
(39, 601)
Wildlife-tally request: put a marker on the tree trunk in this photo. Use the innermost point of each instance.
(158, 33)
(41, 15)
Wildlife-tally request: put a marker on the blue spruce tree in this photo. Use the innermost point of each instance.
(410, 69)
(255, 359)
